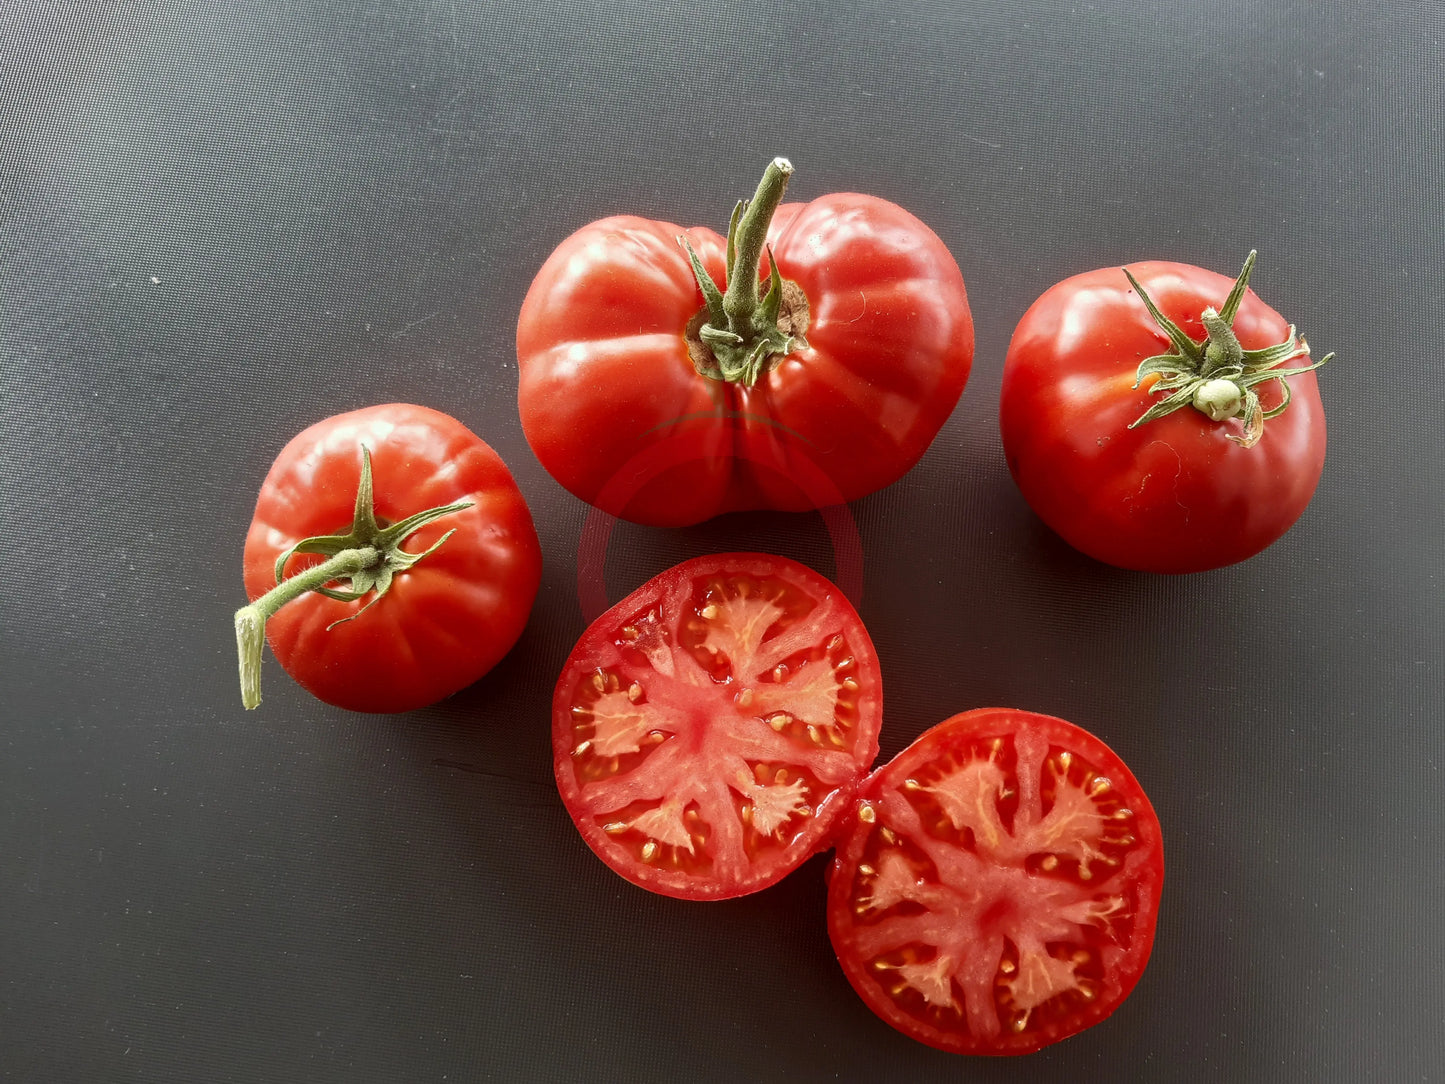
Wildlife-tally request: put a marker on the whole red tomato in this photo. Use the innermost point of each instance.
(709, 730)
(1175, 430)
(410, 625)
(660, 383)
(998, 885)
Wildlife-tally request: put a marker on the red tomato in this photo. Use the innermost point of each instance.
(709, 729)
(998, 886)
(443, 622)
(867, 368)
(1177, 493)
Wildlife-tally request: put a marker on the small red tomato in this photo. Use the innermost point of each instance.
(659, 383)
(708, 730)
(410, 625)
(1161, 418)
(998, 887)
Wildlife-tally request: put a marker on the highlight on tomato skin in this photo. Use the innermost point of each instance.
(997, 887)
(711, 728)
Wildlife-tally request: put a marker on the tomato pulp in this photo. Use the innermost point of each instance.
(711, 727)
(997, 888)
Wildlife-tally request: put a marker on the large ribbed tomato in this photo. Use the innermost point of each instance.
(648, 392)
(1174, 430)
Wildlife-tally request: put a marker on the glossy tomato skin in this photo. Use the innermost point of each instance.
(997, 888)
(614, 409)
(448, 619)
(1175, 494)
(711, 728)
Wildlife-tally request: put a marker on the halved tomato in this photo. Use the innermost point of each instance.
(998, 887)
(709, 729)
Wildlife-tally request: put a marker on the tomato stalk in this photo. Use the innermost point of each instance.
(369, 556)
(743, 332)
(1216, 375)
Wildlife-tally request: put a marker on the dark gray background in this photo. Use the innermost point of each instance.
(224, 221)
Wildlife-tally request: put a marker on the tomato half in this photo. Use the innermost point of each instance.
(710, 728)
(444, 621)
(998, 887)
(1178, 493)
(627, 407)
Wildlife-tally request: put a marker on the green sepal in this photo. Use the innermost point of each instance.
(741, 329)
(1219, 356)
(368, 557)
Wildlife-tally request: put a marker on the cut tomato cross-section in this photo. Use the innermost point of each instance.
(709, 729)
(998, 886)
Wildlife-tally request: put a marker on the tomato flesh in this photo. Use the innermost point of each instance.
(997, 888)
(709, 729)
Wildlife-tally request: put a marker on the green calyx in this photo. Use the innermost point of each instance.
(367, 557)
(1217, 376)
(741, 335)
